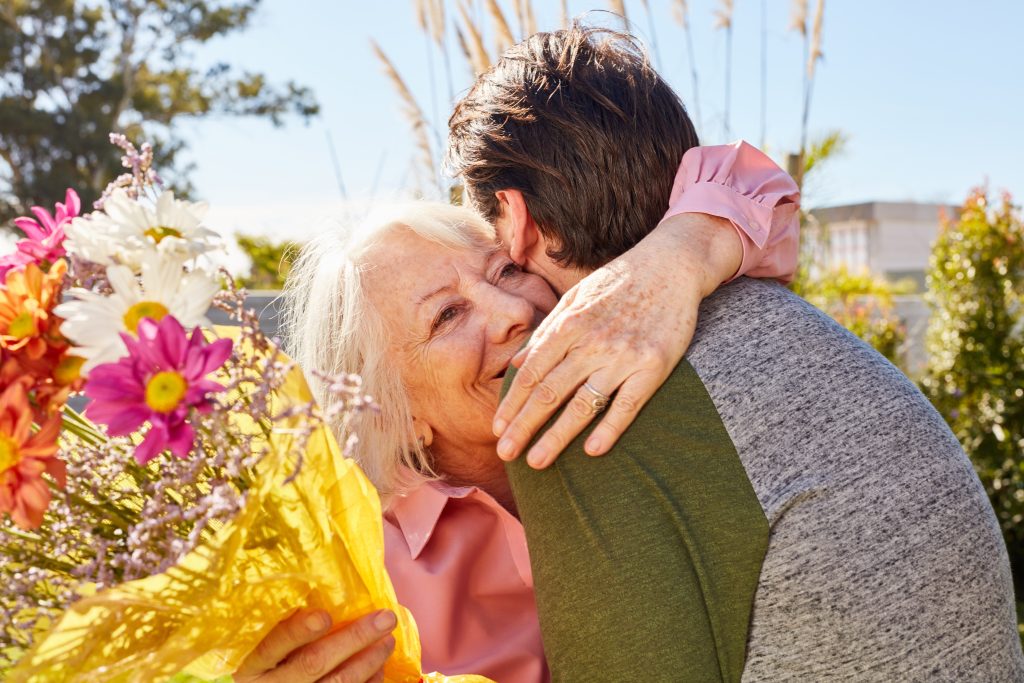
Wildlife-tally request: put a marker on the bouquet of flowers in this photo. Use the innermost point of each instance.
(202, 496)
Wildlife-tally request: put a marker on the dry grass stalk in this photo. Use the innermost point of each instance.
(520, 9)
(437, 21)
(723, 15)
(524, 15)
(680, 12)
(813, 54)
(565, 19)
(798, 17)
(502, 31)
(531, 20)
(464, 46)
(619, 7)
(420, 7)
(815, 51)
(412, 113)
(480, 60)
(723, 19)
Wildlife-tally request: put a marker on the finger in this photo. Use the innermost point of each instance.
(548, 327)
(545, 350)
(313, 661)
(517, 360)
(630, 399)
(301, 628)
(526, 386)
(364, 666)
(579, 412)
(546, 397)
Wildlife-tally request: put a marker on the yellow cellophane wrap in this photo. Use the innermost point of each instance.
(315, 542)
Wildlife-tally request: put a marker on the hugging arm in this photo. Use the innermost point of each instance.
(625, 327)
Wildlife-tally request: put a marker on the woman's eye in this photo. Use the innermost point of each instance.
(510, 270)
(446, 315)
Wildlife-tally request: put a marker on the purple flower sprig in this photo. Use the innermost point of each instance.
(140, 164)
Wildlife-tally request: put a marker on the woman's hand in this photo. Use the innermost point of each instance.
(621, 329)
(300, 650)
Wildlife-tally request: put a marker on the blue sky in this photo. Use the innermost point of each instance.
(930, 94)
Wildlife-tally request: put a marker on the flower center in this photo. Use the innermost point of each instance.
(144, 309)
(158, 233)
(9, 455)
(68, 370)
(165, 390)
(23, 326)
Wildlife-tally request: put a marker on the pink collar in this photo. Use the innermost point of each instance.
(418, 512)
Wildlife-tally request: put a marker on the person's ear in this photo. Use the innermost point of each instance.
(424, 432)
(521, 230)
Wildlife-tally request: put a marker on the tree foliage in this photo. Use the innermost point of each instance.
(976, 351)
(271, 261)
(72, 71)
(828, 146)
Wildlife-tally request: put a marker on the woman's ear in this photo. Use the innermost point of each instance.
(424, 433)
(516, 226)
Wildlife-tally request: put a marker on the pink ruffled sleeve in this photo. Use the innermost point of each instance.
(740, 183)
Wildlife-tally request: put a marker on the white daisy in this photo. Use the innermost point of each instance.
(92, 321)
(127, 229)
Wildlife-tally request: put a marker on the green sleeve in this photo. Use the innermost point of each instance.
(646, 560)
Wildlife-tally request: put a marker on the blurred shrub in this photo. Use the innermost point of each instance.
(271, 261)
(976, 351)
(861, 303)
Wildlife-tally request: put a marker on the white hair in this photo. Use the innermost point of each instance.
(331, 328)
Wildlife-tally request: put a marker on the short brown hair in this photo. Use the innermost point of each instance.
(579, 122)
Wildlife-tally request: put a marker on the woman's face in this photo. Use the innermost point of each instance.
(456, 318)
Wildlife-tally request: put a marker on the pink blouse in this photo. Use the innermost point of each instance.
(739, 182)
(458, 559)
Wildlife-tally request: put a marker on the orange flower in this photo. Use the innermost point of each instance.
(24, 457)
(49, 379)
(26, 301)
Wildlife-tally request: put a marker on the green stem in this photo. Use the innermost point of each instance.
(81, 427)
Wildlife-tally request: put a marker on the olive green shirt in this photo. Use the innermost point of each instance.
(646, 560)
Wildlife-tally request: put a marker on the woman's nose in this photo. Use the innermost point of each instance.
(509, 314)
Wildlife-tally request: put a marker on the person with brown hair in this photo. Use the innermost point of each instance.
(773, 512)
(591, 137)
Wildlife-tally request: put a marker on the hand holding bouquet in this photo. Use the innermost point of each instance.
(202, 497)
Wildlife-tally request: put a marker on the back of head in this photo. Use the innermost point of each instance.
(579, 122)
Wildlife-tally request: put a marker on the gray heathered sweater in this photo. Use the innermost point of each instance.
(884, 560)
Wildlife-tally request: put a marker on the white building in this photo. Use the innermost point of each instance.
(891, 239)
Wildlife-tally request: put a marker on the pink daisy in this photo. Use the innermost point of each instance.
(45, 234)
(161, 380)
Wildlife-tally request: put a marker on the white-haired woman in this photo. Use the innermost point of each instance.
(424, 303)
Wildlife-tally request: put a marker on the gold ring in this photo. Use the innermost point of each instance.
(599, 401)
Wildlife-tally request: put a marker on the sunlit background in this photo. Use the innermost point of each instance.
(928, 96)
